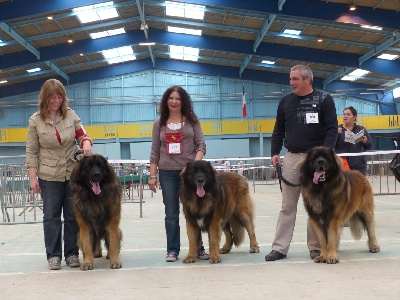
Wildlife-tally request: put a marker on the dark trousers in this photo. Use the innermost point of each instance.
(57, 198)
(169, 181)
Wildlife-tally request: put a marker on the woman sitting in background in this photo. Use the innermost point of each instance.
(345, 142)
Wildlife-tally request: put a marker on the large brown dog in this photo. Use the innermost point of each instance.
(332, 196)
(214, 202)
(97, 194)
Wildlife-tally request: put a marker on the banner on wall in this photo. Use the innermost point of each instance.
(244, 107)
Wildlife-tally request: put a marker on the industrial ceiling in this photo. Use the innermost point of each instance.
(235, 38)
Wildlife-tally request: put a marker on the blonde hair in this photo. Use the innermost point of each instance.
(49, 88)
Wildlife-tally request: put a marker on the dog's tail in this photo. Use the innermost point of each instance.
(356, 226)
(238, 231)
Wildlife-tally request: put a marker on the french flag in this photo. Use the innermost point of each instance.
(244, 108)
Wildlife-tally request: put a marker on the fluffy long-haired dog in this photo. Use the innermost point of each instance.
(97, 194)
(332, 196)
(214, 203)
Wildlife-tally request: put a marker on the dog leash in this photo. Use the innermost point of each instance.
(78, 153)
(281, 178)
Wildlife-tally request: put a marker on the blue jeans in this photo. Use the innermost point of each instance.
(57, 197)
(169, 181)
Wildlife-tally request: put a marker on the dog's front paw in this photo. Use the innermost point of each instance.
(255, 249)
(86, 266)
(374, 249)
(215, 259)
(320, 259)
(224, 250)
(115, 265)
(189, 259)
(332, 259)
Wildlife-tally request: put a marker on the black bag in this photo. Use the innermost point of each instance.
(395, 166)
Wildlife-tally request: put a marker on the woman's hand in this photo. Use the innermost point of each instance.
(35, 185)
(153, 184)
(364, 139)
(87, 147)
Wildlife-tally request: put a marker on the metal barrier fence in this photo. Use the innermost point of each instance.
(20, 205)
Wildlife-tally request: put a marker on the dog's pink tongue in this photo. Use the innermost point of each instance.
(317, 175)
(96, 188)
(200, 191)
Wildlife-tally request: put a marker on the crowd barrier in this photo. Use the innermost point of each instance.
(20, 205)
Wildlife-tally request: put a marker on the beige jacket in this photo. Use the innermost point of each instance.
(54, 162)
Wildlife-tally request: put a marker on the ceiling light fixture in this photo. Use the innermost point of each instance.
(70, 41)
(33, 70)
(147, 43)
(352, 7)
(268, 62)
(388, 56)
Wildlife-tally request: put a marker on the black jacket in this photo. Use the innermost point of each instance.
(305, 122)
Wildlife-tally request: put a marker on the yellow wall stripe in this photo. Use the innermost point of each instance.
(122, 131)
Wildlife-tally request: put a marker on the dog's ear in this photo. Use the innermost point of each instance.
(182, 172)
(108, 170)
(77, 170)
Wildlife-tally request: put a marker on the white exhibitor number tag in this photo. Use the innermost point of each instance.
(174, 148)
(312, 118)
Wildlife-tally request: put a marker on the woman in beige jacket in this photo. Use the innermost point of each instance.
(51, 144)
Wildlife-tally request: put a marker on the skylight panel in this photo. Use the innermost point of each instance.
(125, 50)
(118, 55)
(191, 51)
(194, 11)
(107, 13)
(388, 56)
(396, 92)
(97, 35)
(116, 60)
(372, 27)
(359, 73)
(34, 70)
(185, 53)
(268, 62)
(184, 10)
(116, 31)
(348, 78)
(184, 30)
(292, 31)
(356, 74)
(110, 53)
(174, 9)
(92, 13)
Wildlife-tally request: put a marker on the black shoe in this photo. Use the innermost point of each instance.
(274, 255)
(314, 253)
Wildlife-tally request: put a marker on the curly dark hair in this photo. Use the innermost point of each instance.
(187, 108)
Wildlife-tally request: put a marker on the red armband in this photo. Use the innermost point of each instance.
(80, 132)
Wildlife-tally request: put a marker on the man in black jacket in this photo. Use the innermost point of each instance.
(305, 118)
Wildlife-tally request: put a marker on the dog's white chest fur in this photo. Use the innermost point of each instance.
(200, 222)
